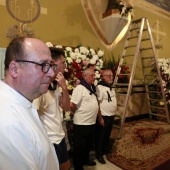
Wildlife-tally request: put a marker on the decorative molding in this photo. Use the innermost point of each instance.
(152, 8)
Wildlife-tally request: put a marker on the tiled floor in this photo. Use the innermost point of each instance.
(99, 166)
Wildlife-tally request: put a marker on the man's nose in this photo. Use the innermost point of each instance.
(51, 72)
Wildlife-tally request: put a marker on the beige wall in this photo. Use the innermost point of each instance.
(66, 24)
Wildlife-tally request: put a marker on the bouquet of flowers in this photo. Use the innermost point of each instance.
(79, 58)
(164, 65)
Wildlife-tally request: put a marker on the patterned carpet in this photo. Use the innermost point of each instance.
(144, 145)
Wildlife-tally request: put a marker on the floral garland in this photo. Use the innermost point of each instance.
(164, 65)
(78, 59)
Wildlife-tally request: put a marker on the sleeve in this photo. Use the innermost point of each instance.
(99, 93)
(77, 94)
(37, 102)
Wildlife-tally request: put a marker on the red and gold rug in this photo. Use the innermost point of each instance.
(144, 145)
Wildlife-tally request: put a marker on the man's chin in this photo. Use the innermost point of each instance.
(45, 88)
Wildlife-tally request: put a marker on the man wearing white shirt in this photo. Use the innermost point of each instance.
(85, 108)
(48, 106)
(24, 144)
(108, 105)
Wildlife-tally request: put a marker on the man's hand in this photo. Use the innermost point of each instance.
(61, 80)
(101, 121)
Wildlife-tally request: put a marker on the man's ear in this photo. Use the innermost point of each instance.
(13, 68)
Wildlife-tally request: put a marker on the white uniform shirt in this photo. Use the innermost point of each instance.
(107, 108)
(49, 113)
(87, 106)
(24, 144)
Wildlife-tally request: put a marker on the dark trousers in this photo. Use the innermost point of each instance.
(82, 144)
(102, 144)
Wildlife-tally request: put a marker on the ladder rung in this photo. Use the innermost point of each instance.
(130, 46)
(137, 21)
(149, 48)
(147, 57)
(121, 93)
(132, 37)
(120, 105)
(145, 29)
(145, 39)
(121, 84)
(150, 75)
(157, 107)
(155, 114)
(128, 55)
(115, 126)
(147, 66)
(136, 28)
(156, 100)
(129, 65)
(153, 92)
(153, 84)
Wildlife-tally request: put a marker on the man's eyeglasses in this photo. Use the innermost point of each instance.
(45, 66)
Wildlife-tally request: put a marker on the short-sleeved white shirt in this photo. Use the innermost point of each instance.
(87, 106)
(107, 108)
(50, 115)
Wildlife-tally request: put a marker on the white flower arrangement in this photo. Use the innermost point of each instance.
(164, 65)
(78, 59)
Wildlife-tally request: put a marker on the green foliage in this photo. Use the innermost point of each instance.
(110, 63)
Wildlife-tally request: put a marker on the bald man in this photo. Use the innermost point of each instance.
(24, 143)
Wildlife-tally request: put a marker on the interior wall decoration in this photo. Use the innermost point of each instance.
(158, 34)
(158, 7)
(24, 11)
(109, 19)
(164, 4)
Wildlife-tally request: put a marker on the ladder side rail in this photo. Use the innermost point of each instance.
(158, 70)
(146, 86)
(122, 58)
(132, 74)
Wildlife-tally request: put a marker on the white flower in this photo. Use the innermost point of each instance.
(83, 57)
(69, 60)
(76, 50)
(95, 57)
(73, 55)
(92, 51)
(100, 53)
(49, 44)
(101, 61)
(95, 82)
(58, 46)
(97, 75)
(97, 67)
(82, 50)
(92, 61)
(68, 49)
(78, 60)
